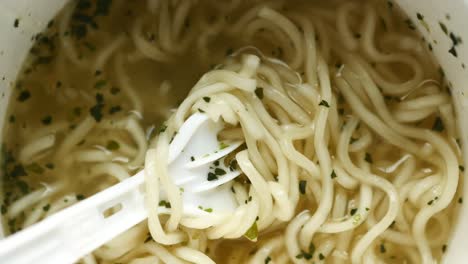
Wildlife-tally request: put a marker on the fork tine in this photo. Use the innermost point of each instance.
(187, 131)
(214, 156)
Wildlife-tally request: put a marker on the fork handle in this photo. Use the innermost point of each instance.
(78, 229)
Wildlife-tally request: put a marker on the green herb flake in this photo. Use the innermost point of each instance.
(382, 248)
(311, 249)
(307, 255)
(115, 109)
(252, 233)
(211, 176)
(35, 168)
(12, 225)
(259, 93)
(47, 120)
(208, 210)
(368, 158)
(114, 90)
(333, 174)
(46, 208)
(443, 27)
(420, 17)
(206, 99)
(164, 203)
(80, 197)
(267, 260)
(353, 211)
(96, 110)
(441, 72)
(23, 96)
(321, 256)
(18, 171)
(23, 186)
(390, 4)
(455, 39)
(112, 145)
(444, 248)
(162, 128)
(302, 186)
(438, 125)
(100, 84)
(410, 24)
(324, 103)
(453, 51)
(461, 168)
(223, 145)
(102, 7)
(99, 98)
(16, 23)
(219, 171)
(192, 158)
(460, 200)
(79, 31)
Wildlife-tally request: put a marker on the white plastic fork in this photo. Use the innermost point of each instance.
(70, 234)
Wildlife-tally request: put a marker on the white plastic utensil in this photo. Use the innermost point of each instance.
(74, 232)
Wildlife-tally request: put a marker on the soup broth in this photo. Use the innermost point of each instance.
(100, 82)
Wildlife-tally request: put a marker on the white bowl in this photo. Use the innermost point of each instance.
(33, 16)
